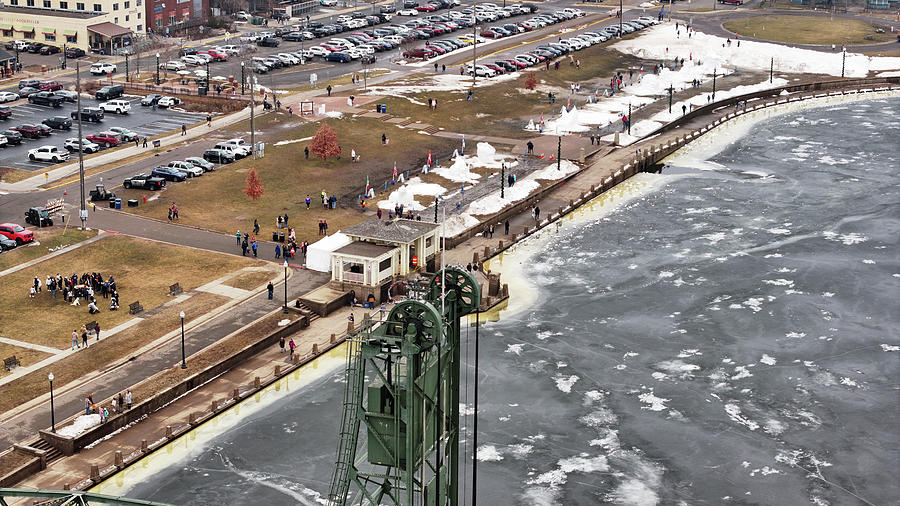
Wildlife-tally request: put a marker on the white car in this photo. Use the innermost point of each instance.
(205, 57)
(48, 154)
(175, 65)
(407, 12)
(116, 106)
(3, 141)
(230, 49)
(648, 19)
(168, 102)
(99, 69)
(480, 71)
(288, 58)
(238, 144)
(319, 51)
(8, 96)
(343, 18)
(193, 60)
(86, 145)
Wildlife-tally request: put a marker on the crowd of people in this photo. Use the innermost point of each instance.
(75, 288)
(119, 404)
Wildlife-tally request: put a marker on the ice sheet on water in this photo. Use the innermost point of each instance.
(488, 453)
(768, 360)
(565, 383)
(653, 403)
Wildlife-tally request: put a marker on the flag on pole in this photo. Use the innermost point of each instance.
(464, 142)
(429, 157)
(395, 171)
(367, 184)
(542, 118)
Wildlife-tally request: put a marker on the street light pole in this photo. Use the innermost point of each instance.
(474, 45)
(843, 61)
(65, 58)
(52, 414)
(771, 70)
(127, 79)
(183, 362)
(559, 151)
(242, 78)
(83, 214)
(252, 118)
(285, 310)
(502, 178)
(670, 95)
(157, 69)
(629, 113)
(714, 86)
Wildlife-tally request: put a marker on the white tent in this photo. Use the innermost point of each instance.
(318, 256)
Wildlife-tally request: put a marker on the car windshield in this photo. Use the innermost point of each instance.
(18, 228)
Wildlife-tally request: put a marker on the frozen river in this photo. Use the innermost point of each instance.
(725, 335)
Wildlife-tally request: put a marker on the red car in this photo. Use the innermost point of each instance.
(491, 34)
(515, 63)
(28, 130)
(496, 68)
(106, 139)
(435, 49)
(50, 86)
(426, 8)
(16, 233)
(216, 56)
(418, 53)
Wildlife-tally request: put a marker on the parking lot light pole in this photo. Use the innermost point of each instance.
(243, 79)
(80, 142)
(65, 58)
(52, 414)
(127, 79)
(285, 310)
(183, 363)
(157, 69)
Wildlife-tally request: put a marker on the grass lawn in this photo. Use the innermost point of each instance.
(107, 351)
(45, 241)
(217, 201)
(26, 356)
(143, 271)
(11, 175)
(252, 280)
(501, 109)
(809, 30)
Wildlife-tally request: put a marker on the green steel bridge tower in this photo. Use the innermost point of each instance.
(399, 440)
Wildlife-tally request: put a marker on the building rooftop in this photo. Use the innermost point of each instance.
(392, 231)
(108, 29)
(35, 11)
(365, 249)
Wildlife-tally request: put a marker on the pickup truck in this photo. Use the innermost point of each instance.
(46, 98)
(47, 154)
(89, 114)
(144, 181)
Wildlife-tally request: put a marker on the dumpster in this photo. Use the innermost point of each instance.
(118, 203)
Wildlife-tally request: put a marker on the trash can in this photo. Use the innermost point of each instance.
(274, 236)
(281, 237)
(377, 107)
(112, 203)
(383, 108)
(119, 204)
(202, 91)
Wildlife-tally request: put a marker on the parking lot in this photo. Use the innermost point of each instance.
(143, 121)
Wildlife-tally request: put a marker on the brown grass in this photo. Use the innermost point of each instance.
(11, 175)
(49, 239)
(251, 280)
(26, 356)
(143, 271)
(12, 460)
(108, 351)
(809, 30)
(218, 202)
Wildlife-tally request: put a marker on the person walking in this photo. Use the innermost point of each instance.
(506, 227)
(84, 337)
(271, 289)
(530, 146)
(75, 339)
(281, 343)
(128, 399)
(254, 247)
(97, 330)
(306, 152)
(308, 201)
(277, 251)
(292, 347)
(328, 89)
(209, 120)
(183, 129)
(245, 246)
(255, 226)
(87, 405)
(121, 402)
(237, 237)
(383, 139)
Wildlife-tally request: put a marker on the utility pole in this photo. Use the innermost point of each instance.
(629, 112)
(670, 98)
(843, 61)
(559, 150)
(80, 143)
(242, 78)
(474, 44)
(502, 178)
(127, 79)
(714, 87)
(65, 58)
(622, 16)
(252, 118)
(435, 209)
(771, 70)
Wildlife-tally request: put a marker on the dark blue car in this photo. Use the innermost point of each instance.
(169, 174)
(338, 57)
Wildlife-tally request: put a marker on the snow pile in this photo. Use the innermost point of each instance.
(459, 223)
(492, 203)
(486, 156)
(318, 256)
(405, 195)
(81, 424)
(458, 172)
(550, 172)
(439, 82)
(334, 114)
(292, 141)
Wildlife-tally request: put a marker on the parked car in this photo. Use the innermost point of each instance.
(150, 99)
(268, 42)
(200, 162)
(339, 56)
(105, 139)
(168, 102)
(99, 69)
(110, 92)
(68, 96)
(174, 65)
(16, 233)
(218, 156)
(46, 98)
(48, 154)
(188, 168)
(86, 145)
(193, 59)
(58, 122)
(5, 113)
(39, 216)
(3, 141)
(169, 174)
(125, 134)
(28, 130)
(8, 96)
(50, 86)
(89, 114)
(144, 181)
(29, 83)
(74, 52)
(27, 91)
(6, 244)
(418, 53)
(12, 137)
(116, 106)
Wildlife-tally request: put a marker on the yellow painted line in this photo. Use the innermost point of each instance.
(550, 36)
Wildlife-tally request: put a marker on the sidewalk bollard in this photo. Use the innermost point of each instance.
(66, 486)
(487, 252)
(236, 394)
(277, 371)
(168, 432)
(315, 348)
(144, 446)
(118, 462)
(192, 419)
(296, 359)
(333, 338)
(349, 326)
(256, 382)
(214, 407)
(500, 245)
(475, 257)
(95, 472)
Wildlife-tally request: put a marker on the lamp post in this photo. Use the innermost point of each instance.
(52, 414)
(629, 113)
(83, 212)
(502, 178)
(242, 78)
(183, 362)
(559, 150)
(127, 79)
(285, 310)
(714, 86)
(843, 61)
(771, 70)
(65, 50)
(157, 69)
(671, 89)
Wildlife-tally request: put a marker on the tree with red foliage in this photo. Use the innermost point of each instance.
(531, 81)
(253, 187)
(325, 143)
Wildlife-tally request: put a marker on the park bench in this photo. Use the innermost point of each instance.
(175, 289)
(90, 326)
(9, 363)
(135, 307)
